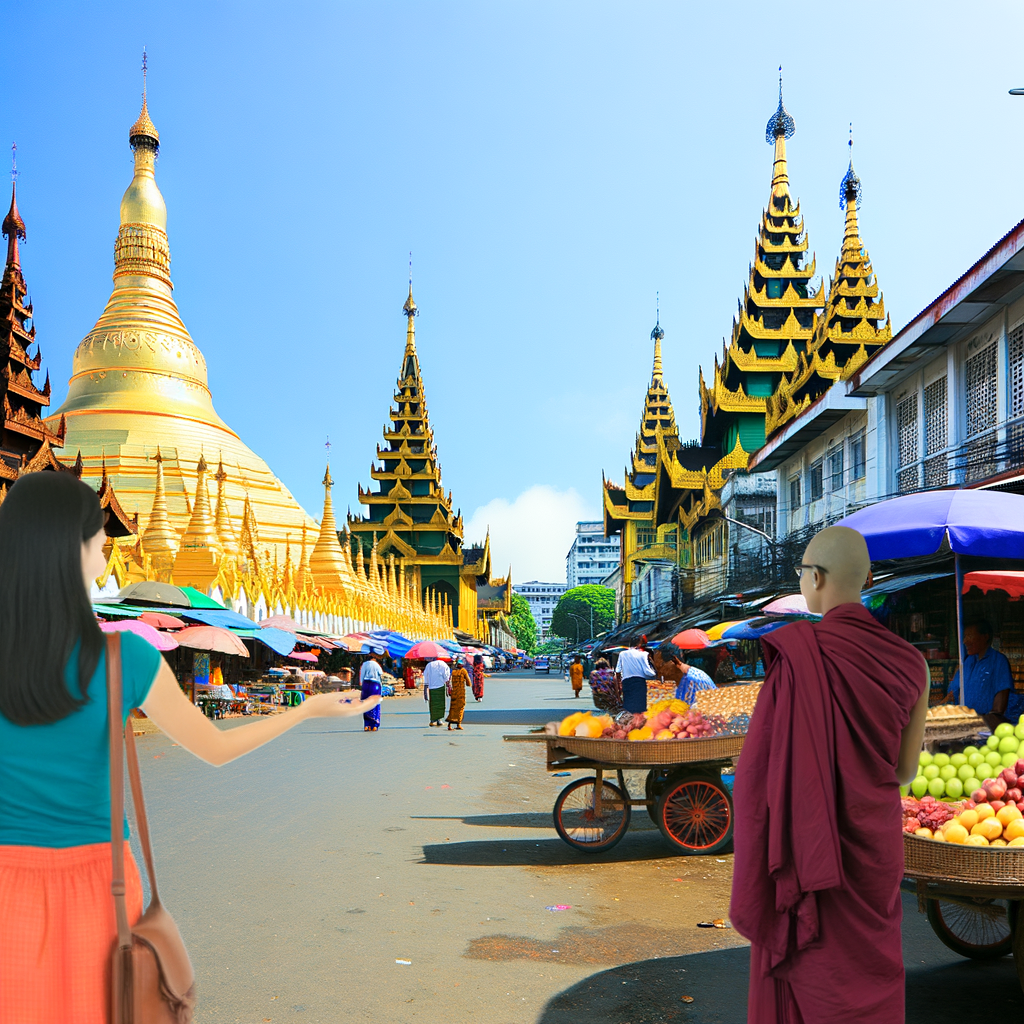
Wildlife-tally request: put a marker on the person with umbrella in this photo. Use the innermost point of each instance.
(371, 679)
(435, 681)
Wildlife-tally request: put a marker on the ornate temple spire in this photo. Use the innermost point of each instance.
(13, 226)
(303, 577)
(159, 539)
(222, 516)
(199, 554)
(410, 362)
(780, 127)
(849, 198)
(327, 562)
(656, 335)
(143, 132)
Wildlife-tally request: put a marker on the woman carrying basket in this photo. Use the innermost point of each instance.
(57, 923)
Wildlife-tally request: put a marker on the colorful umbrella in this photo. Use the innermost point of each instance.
(791, 604)
(754, 629)
(988, 580)
(303, 656)
(351, 643)
(692, 640)
(427, 649)
(211, 638)
(154, 593)
(159, 620)
(715, 632)
(285, 622)
(161, 641)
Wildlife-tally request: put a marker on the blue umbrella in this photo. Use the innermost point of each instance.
(754, 629)
(985, 523)
(397, 645)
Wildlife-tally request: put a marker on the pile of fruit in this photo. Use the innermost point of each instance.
(666, 720)
(729, 701)
(989, 822)
(952, 776)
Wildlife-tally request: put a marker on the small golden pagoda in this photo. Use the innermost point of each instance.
(853, 325)
(139, 384)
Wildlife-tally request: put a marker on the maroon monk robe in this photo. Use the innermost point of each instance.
(819, 847)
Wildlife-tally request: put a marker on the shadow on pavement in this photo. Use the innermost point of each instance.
(942, 988)
(526, 819)
(515, 716)
(637, 846)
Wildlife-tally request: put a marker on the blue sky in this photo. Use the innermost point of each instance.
(551, 165)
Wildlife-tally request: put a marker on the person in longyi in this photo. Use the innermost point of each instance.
(837, 728)
(576, 675)
(457, 683)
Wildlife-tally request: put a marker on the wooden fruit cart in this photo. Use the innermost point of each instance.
(973, 897)
(683, 792)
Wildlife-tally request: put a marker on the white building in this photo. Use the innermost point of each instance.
(592, 556)
(542, 598)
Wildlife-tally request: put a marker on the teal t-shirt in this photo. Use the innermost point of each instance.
(54, 779)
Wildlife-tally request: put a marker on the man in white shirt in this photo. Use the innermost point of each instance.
(435, 679)
(634, 669)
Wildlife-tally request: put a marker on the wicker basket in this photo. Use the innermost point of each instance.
(717, 748)
(928, 860)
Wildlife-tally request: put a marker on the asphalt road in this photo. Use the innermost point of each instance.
(304, 873)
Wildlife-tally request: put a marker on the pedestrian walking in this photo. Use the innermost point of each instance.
(576, 675)
(633, 669)
(457, 692)
(478, 676)
(435, 680)
(57, 922)
(605, 688)
(819, 854)
(371, 679)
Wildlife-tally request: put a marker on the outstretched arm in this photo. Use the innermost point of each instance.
(913, 735)
(180, 719)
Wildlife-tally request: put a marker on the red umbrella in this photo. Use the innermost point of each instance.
(427, 649)
(692, 640)
(161, 641)
(159, 620)
(993, 579)
(211, 638)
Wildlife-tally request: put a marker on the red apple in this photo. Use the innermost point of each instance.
(998, 805)
(1009, 776)
(969, 805)
(1019, 767)
(996, 788)
(1014, 794)
(1020, 806)
(979, 796)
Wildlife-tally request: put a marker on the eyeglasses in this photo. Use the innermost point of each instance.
(799, 569)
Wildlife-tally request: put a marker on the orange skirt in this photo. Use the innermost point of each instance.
(57, 932)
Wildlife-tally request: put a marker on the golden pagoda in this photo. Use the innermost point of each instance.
(139, 385)
(853, 325)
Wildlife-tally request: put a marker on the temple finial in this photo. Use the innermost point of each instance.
(14, 162)
(327, 446)
(656, 335)
(781, 123)
(850, 186)
(13, 226)
(409, 309)
(144, 131)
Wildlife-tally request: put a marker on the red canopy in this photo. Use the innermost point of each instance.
(996, 579)
(692, 640)
(160, 620)
(427, 649)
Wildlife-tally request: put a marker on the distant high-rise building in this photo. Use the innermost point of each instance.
(592, 555)
(542, 598)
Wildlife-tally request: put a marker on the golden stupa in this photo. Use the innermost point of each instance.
(139, 387)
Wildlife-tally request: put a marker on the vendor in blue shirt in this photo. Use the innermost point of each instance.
(670, 663)
(988, 681)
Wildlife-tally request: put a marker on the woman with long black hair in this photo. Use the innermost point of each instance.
(57, 926)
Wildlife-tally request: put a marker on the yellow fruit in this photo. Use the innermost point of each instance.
(968, 818)
(975, 841)
(1007, 814)
(568, 726)
(989, 828)
(641, 734)
(1015, 830)
(665, 734)
(984, 811)
(590, 728)
(925, 832)
(939, 836)
(999, 842)
(955, 833)
(1019, 841)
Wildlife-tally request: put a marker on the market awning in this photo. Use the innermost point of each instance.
(986, 581)
(897, 583)
(218, 617)
(278, 640)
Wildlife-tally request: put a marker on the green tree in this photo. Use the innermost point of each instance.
(524, 626)
(580, 602)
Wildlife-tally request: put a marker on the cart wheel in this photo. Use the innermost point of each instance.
(975, 928)
(577, 823)
(653, 786)
(694, 813)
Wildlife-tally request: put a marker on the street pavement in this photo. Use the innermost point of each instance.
(305, 874)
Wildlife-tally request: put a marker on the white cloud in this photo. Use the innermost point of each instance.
(532, 533)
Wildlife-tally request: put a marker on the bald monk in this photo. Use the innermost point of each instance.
(837, 729)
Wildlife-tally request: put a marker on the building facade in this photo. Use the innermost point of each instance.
(542, 598)
(592, 556)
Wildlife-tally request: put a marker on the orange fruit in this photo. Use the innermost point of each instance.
(1007, 814)
(1015, 830)
(989, 828)
(974, 840)
(999, 842)
(1019, 841)
(955, 833)
(968, 818)
(925, 832)
(984, 811)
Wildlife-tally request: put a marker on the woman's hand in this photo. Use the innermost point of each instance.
(337, 705)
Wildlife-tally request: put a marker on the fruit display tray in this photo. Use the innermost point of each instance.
(714, 748)
(927, 860)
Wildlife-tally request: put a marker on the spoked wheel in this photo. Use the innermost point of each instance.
(975, 928)
(695, 815)
(577, 819)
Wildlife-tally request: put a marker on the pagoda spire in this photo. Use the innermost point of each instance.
(13, 226)
(327, 562)
(222, 516)
(159, 540)
(780, 127)
(199, 553)
(656, 335)
(410, 361)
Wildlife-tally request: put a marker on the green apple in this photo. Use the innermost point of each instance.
(1003, 729)
(954, 789)
(958, 760)
(1018, 730)
(1008, 744)
(925, 758)
(993, 757)
(975, 759)
(987, 772)
(970, 750)
(1009, 759)
(941, 760)
(970, 785)
(965, 772)
(936, 787)
(930, 771)
(919, 786)
(947, 772)
(992, 742)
